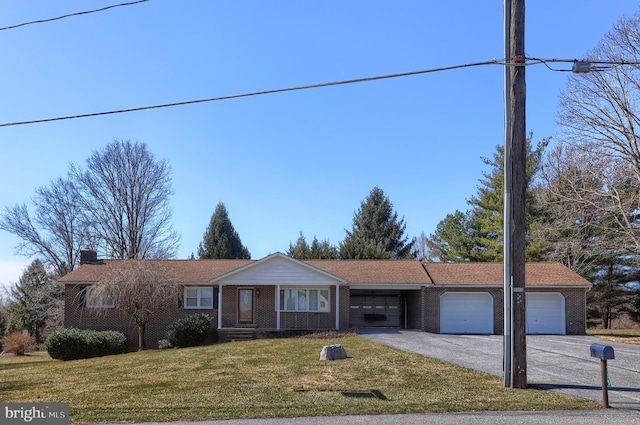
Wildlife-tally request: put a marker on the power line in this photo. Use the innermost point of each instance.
(580, 66)
(72, 14)
(258, 93)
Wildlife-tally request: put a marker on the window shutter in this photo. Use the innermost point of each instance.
(215, 297)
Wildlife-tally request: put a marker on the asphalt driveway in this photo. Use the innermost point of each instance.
(555, 362)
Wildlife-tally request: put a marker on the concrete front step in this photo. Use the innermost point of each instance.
(232, 336)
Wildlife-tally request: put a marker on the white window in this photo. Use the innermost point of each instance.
(198, 297)
(303, 299)
(93, 300)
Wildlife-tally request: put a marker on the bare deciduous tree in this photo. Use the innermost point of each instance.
(424, 249)
(589, 223)
(138, 288)
(125, 201)
(118, 203)
(599, 114)
(54, 232)
(568, 192)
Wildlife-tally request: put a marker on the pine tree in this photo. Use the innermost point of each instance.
(479, 231)
(611, 295)
(377, 233)
(221, 240)
(488, 205)
(323, 250)
(317, 250)
(34, 299)
(300, 250)
(454, 239)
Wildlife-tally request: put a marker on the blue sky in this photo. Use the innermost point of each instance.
(289, 162)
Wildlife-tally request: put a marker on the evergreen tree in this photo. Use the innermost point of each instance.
(323, 250)
(634, 306)
(454, 239)
(611, 294)
(477, 235)
(301, 250)
(34, 299)
(220, 239)
(377, 233)
(317, 250)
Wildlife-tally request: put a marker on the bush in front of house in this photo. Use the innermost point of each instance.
(163, 344)
(189, 331)
(73, 344)
(17, 343)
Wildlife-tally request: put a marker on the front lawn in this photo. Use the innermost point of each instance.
(262, 378)
(628, 336)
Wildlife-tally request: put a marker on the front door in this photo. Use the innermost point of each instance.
(245, 306)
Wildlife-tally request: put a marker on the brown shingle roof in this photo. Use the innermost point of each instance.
(186, 271)
(356, 271)
(374, 271)
(536, 274)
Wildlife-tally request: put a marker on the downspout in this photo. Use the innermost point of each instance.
(337, 306)
(220, 306)
(278, 307)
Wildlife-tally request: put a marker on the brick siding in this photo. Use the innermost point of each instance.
(265, 316)
(576, 311)
(423, 312)
(101, 319)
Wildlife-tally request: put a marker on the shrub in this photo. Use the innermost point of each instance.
(17, 343)
(189, 331)
(73, 344)
(163, 344)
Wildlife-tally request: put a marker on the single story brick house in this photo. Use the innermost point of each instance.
(279, 293)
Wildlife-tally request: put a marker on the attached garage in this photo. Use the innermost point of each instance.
(466, 313)
(546, 313)
(375, 311)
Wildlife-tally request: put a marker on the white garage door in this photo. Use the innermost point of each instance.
(466, 313)
(545, 313)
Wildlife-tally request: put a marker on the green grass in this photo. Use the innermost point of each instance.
(628, 336)
(262, 378)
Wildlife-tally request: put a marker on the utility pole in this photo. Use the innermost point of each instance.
(515, 359)
(506, 239)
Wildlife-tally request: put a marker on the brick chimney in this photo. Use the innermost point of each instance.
(88, 256)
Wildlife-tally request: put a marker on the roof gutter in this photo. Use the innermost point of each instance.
(403, 286)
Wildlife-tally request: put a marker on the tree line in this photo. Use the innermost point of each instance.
(377, 233)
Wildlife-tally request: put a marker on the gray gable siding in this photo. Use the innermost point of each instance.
(279, 271)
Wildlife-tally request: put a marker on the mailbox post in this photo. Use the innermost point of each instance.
(604, 353)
